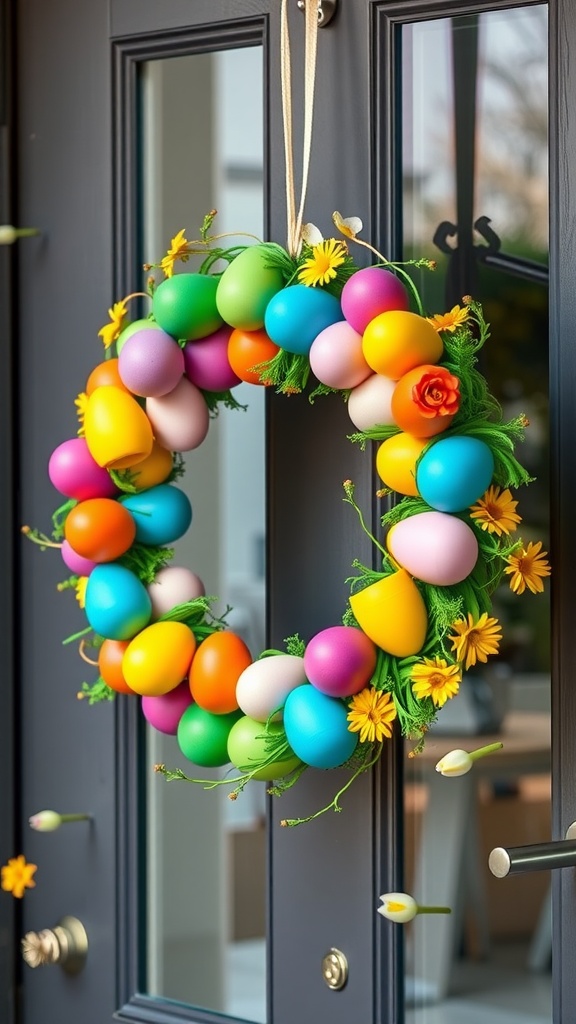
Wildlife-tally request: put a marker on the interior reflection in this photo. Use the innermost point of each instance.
(474, 115)
(206, 854)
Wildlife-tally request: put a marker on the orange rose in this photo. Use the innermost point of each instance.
(425, 400)
(437, 393)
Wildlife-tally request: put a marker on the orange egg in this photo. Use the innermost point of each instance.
(104, 374)
(100, 529)
(110, 658)
(247, 349)
(397, 341)
(215, 670)
(426, 400)
(396, 460)
(152, 470)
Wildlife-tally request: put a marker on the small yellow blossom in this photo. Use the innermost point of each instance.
(527, 568)
(17, 876)
(80, 590)
(496, 512)
(475, 641)
(371, 714)
(449, 321)
(111, 332)
(81, 402)
(178, 251)
(435, 678)
(320, 266)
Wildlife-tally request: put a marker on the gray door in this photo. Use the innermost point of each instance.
(75, 152)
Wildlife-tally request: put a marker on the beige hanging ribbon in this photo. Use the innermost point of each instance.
(294, 223)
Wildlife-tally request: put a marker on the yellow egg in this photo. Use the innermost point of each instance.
(397, 341)
(152, 470)
(158, 658)
(396, 460)
(393, 614)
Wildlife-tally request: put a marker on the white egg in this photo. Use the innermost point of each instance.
(174, 585)
(264, 686)
(370, 403)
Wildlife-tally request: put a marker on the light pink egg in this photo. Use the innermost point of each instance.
(206, 362)
(435, 547)
(151, 363)
(174, 585)
(369, 404)
(369, 292)
(336, 356)
(164, 713)
(77, 564)
(180, 419)
(74, 473)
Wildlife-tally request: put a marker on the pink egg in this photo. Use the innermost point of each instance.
(336, 356)
(206, 362)
(73, 472)
(435, 547)
(77, 564)
(180, 420)
(164, 713)
(340, 661)
(174, 585)
(369, 292)
(370, 403)
(151, 363)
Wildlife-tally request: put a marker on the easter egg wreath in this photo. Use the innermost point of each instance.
(255, 313)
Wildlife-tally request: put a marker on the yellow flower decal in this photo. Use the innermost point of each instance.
(178, 251)
(496, 512)
(111, 332)
(476, 640)
(80, 590)
(435, 678)
(17, 876)
(449, 321)
(81, 401)
(528, 568)
(320, 267)
(347, 226)
(371, 714)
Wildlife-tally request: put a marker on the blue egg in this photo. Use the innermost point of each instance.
(162, 514)
(117, 604)
(296, 315)
(316, 728)
(454, 473)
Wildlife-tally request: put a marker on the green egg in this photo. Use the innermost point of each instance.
(203, 737)
(247, 749)
(246, 287)
(185, 306)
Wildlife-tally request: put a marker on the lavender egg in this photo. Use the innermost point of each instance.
(151, 363)
(370, 403)
(206, 362)
(434, 547)
(180, 419)
(164, 713)
(369, 292)
(340, 661)
(74, 472)
(77, 564)
(172, 586)
(336, 357)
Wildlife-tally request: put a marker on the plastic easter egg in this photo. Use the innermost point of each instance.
(110, 658)
(370, 403)
(76, 563)
(395, 342)
(117, 603)
(247, 748)
(393, 614)
(163, 713)
(74, 472)
(396, 460)
(118, 431)
(105, 374)
(161, 514)
(246, 287)
(264, 685)
(426, 400)
(371, 291)
(206, 362)
(435, 547)
(184, 306)
(158, 658)
(152, 470)
(151, 363)
(317, 728)
(247, 349)
(99, 529)
(173, 585)
(336, 357)
(215, 670)
(340, 661)
(180, 419)
(145, 323)
(203, 737)
(454, 473)
(297, 314)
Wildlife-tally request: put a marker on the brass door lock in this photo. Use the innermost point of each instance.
(335, 969)
(65, 944)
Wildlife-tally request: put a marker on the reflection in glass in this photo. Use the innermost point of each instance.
(475, 200)
(202, 149)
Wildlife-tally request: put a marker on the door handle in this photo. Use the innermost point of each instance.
(538, 857)
(65, 944)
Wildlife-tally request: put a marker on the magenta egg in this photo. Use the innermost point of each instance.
(206, 362)
(73, 472)
(369, 292)
(340, 661)
(180, 419)
(77, 564)
(151, 363)
(164, 713)
(172, 586)
(336, 356)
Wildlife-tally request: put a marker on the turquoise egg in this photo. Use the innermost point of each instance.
(203, 737)
(117, 604)
(454, 473)
(246, 287)
(162, 514)
(316, 728)
(185, 306)
(296, 315)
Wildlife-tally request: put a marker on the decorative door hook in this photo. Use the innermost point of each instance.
(326, 10)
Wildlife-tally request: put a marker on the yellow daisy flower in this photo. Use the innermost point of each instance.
(110, 332)
(81, 402)
(347, 226)
(320, 267)
(80, 589)
(475, 641)
(435, 678)
(449, 321)
(17, 876)
(371, 714)
(178, 251)
(496, 511)
(527, 568)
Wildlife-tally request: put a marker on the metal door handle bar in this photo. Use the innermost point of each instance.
(539, 857)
